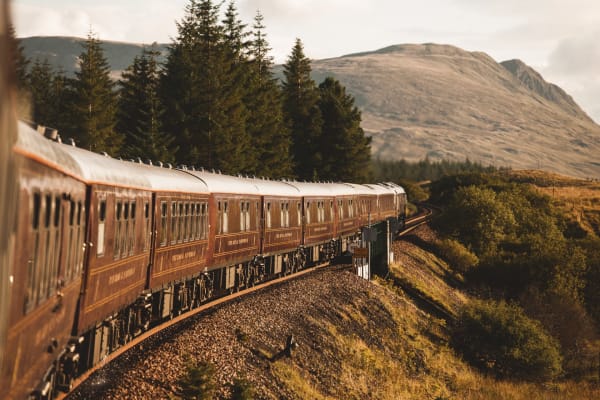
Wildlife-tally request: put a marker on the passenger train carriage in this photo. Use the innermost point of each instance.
(108, 248)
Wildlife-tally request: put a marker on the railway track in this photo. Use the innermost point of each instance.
(425, 214)
(162, 327)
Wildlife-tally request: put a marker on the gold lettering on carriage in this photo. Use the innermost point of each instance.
(183, 256)
(237, 242)
(119, 276)
(320, 229)
(283, 235)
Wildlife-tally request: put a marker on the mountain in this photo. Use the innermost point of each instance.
(63, 52)
(435, 101)
(442, 102)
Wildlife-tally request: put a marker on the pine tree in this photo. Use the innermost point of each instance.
(21, 64)
(346, 149)
(266, 126)
(94, 102)
(42, 95)
(62, 99)
(236, 152)
(140, 111)
(203, 103)
(302, 113)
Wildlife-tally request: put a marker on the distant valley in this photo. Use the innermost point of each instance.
(434, 101)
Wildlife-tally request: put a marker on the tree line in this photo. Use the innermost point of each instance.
(214, 103)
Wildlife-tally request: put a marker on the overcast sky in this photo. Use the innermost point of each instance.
(559, 38)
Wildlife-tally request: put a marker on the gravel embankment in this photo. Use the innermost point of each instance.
(242, 337)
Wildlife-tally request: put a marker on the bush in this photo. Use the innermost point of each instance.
(243, 390)
(198, 383)
(457, 255)
(499, 337)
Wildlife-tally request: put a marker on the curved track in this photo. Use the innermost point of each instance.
(425, 214)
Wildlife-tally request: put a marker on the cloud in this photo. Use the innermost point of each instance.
(574, 65)
(131, 20)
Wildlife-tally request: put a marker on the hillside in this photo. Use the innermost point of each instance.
(435, 101)
(442, 102)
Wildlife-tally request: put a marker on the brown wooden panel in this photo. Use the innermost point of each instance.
(173, 263)
(282, 239)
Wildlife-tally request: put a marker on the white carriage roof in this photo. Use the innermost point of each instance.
(316, 189)
(104, 169)
(276, 188)
(35, 144)
(361, 189)
(395, 186)
(221, 183)
(380, 189)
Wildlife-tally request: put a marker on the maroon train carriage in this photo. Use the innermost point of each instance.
(383, 205)
(281, 235)
(319, 221)
(178, 278)
(46, 272)
(399, 203)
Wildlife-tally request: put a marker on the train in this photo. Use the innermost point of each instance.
(105, 249)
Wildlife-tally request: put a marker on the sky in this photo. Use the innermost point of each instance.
(559, 38)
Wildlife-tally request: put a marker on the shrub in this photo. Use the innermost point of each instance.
(198, 382)
(499, 337)
(243, 390)
(457, 255)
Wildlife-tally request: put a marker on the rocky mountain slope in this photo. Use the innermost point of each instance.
(436, 101)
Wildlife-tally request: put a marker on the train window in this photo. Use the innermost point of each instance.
(331, 210)
(181, 223)
(56, 211)
(187, 223)
(101, 222)
(146, 226)
(132, 209)
(320, 212)
(55, 251)
(173, 222)
(126, 230)
(197, 221)
(33, 262)
(351, 208)
(204, 220)
(268, 215)
(79, 249)
(341, 209)
(285, 215)
(193, 220)
(307, 212)
(70, 259)
(225, 218)
(242, 216)
(299, 212)
(248, 227)
(163, 223)
(118, 229)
